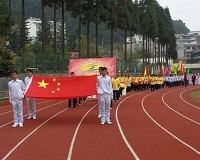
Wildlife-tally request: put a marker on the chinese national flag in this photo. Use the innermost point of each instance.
(44, 87)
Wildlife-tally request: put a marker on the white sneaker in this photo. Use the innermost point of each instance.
(15, 125)
(20, 125)
(109, 122)
(34, 117)
(102, 123)
(29, 117)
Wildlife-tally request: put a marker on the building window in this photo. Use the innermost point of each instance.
(193, 48)
(188, 48)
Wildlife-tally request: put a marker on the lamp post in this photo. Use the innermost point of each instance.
(58, 56)
(36, 51)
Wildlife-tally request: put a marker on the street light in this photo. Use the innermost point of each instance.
(36, 51)
(58, 56)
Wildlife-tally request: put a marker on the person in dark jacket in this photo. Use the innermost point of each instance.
(193, 79)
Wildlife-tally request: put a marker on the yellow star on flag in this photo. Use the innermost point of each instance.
(43, 84)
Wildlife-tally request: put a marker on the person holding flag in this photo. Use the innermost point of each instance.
(30, 101)
(16, 89)
(74, 100)
(105, 94)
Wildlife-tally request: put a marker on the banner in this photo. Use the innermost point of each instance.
(90, 66)
(44, 87)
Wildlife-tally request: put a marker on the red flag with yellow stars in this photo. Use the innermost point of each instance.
(44, 87)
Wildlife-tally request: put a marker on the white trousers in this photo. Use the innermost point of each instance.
(99, 105)
(105, 100)
(17, 106)
(31, 107)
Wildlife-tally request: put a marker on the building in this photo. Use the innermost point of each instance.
(34, 25)
(186, 46)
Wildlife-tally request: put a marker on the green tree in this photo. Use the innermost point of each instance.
(4, 19)
(7, 59)
(171, 39)
(112, 21)
(48, 35)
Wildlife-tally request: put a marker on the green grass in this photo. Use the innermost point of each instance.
(195, 95)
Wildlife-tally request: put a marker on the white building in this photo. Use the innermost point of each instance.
(34, 24)
(186, 45)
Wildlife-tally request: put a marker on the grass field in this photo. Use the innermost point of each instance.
(195, 94)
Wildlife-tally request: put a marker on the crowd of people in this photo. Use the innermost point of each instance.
(109, 89)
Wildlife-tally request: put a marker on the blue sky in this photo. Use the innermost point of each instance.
(186, 10)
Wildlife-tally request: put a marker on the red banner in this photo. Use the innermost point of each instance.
(61, 87)
(90, 66)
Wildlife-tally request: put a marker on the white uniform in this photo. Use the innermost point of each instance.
(99, 105)
(105, 93)
(16, 94)
(30, 101)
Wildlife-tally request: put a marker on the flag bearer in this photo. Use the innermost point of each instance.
(105, 94)
(30, 101)
(16, 90)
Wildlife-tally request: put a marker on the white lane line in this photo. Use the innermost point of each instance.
(10, 104)
(13, 149)
(186, 101)
(24, 107)
(27, 114)
(121, 130)
(177, 111)
(75, 134)
(178, 139)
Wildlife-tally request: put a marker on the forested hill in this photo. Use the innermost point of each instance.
(180, 27)
(33, 9)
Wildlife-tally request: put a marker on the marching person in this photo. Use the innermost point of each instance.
(193, 79)
(30, 101)
(105, 95)
(16, 90)
(99, 105)
(74, 100)
(185, 79)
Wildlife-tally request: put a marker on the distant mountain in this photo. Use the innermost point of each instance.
(180, 27)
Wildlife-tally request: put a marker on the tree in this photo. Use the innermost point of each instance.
(7, 58)
(4, 19)
(171, 39)
(48, 35)
(28, 39)
(112, 21)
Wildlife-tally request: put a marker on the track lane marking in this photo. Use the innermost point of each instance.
(177, 111)
(168, 132)
(186, 101)
(76, 132)
(27, 114)
(121, 130)
(10, 104)
(24, 107)
(16, 146)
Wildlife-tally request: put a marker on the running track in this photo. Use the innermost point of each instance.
(163, 125)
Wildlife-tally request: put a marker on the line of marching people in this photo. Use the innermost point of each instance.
(151, 82)
(111, 89)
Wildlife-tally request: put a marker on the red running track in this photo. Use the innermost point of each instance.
(146, 125)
